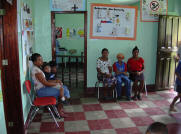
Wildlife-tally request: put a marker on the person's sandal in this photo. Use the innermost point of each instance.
(134, 98)
(172, 109)
(139, 97)
(63, 115)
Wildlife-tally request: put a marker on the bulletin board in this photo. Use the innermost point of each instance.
(27, 36)
(116, 22)
(151, 9)
(67, 5)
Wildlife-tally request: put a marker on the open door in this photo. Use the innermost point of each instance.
(169, 39)
(9, 57)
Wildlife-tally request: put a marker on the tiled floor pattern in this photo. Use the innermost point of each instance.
(89, 116)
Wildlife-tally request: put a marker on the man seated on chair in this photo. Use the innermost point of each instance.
(120, 69)
(104, 69)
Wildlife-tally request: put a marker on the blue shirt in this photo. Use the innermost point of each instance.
(178, 70)
(120, 67)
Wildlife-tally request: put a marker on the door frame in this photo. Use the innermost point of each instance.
(10, 76)
(85, 38)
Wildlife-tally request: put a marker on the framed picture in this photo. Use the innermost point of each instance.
(116, 22)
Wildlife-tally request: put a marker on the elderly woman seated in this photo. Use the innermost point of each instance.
(120, 69)
(104, 69)
(136, 69)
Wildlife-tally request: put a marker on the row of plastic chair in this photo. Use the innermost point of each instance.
(114, 92)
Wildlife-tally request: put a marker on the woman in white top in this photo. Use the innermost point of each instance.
(42, 86)
(104, 70)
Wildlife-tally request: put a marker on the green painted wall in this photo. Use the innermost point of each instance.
(43, 29)
(2, 118)
(71, 22)
(146, 41)
(177, 7)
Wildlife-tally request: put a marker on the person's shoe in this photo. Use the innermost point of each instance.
(128, 99)
(65, 103)
(119, 98)
(134, 98)
(139, 97)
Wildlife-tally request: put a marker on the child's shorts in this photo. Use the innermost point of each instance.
(178, 89)
(66, 92)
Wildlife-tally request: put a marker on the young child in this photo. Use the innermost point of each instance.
(157, 128)
(178, 86)
(120, 69)
(50, 77)
(47, 69)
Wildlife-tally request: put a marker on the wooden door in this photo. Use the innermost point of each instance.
(10, 69)
(169, 38)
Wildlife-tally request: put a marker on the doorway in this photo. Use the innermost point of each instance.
(69, 49)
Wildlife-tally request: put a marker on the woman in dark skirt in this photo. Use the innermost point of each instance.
(104, 70)
(136, 69)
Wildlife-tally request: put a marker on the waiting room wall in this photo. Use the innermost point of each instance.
(146, 41)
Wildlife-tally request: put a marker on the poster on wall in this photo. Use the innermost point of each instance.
(67, 5)
(151, 9)
(115, 22)
(59, 32)
(74, 33)
(27, 36)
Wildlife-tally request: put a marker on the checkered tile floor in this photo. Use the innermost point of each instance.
(89, 116)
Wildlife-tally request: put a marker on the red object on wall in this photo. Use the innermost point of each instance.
(59, 32)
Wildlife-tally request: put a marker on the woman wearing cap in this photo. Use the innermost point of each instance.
(136, 69)
(120, 69)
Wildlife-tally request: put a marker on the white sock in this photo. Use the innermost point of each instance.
(63, 98)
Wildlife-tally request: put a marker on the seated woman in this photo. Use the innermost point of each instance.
(43, 87)
(104, 69)
(120, 69)
(136, 69)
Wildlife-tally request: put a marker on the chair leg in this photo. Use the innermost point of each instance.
(113, 93)
(56, 111)
(146, 89)
(116, 93)
(53, 116)
(98, 93)
(32, 115)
